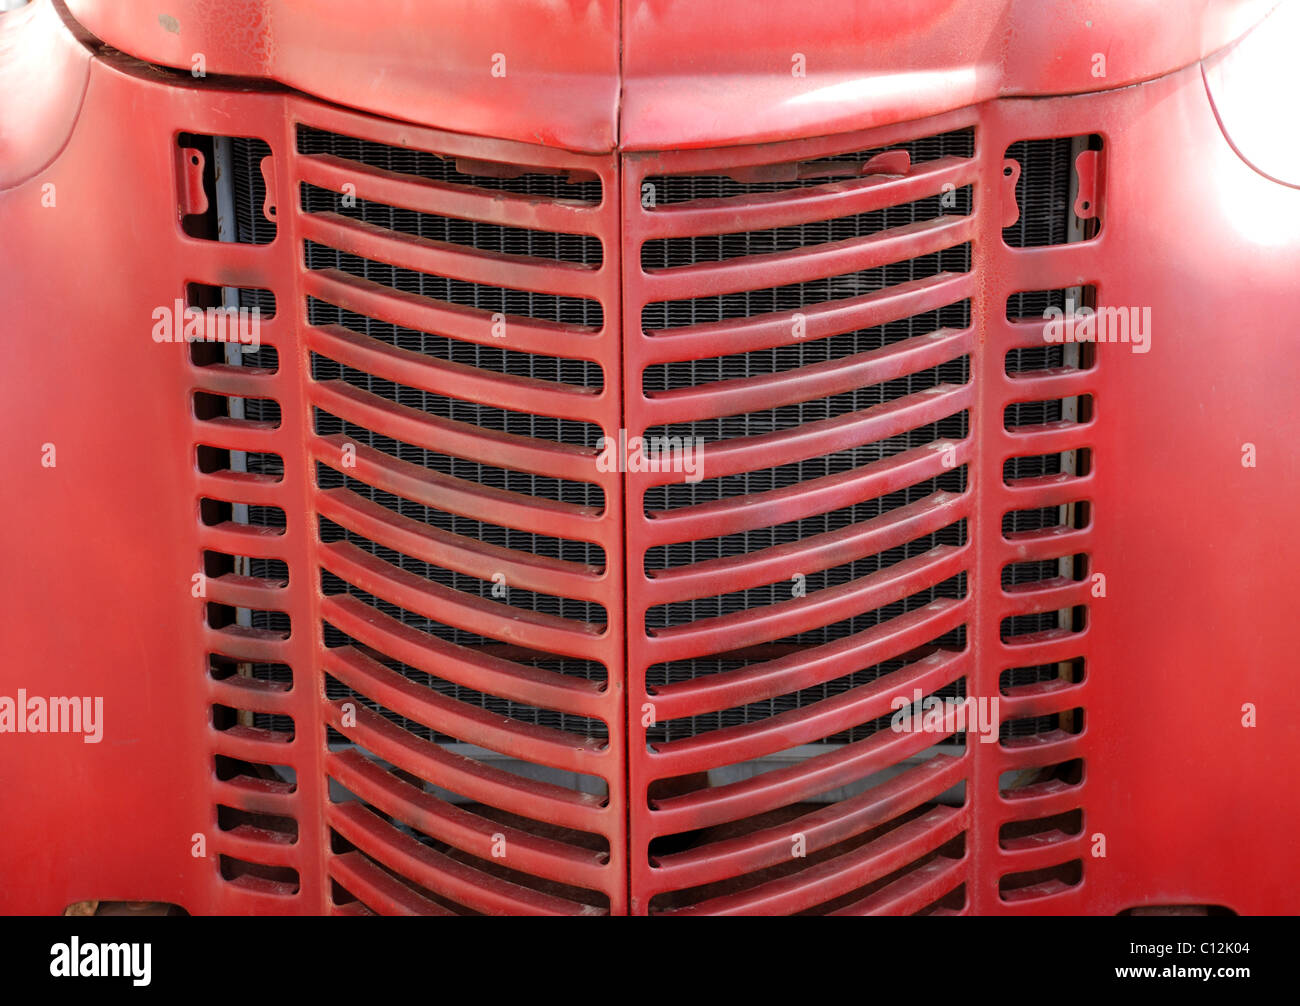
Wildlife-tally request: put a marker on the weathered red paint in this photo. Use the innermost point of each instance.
(690, 75)
(1201, 573)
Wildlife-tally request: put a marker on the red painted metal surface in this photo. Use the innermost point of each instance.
(689, 75)
(1199, 572)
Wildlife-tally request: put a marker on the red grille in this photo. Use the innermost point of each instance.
(515, 719)
(459, 294)
(810, 304)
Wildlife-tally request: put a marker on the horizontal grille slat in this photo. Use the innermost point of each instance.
(422, 703)
(801, 414)
(497, 359)
(588, 555)
(803, 175)
(569, 491)
(466, 612)
(806, 474)
(838, 765)
(668, 253)
(514, 594)
(576, 184)
(822, 829)
(935, 248)
(809, 582)
(764, 673)
(477, 890)
(824, 881)
(458, 827)
(790, 357)
(479, 235)
(389, 739)
(462, 411)
(836, 713)
(449, 290)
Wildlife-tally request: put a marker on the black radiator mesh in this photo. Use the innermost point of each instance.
(667, 253)
(795, 296)
(498, 359)
(683, 188)
(490, 300)
(431, 166)
(251, 223)
(1043, 192)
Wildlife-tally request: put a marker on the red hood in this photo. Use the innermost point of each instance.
(654, 74)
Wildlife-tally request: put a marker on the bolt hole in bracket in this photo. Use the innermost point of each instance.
(1088, 171)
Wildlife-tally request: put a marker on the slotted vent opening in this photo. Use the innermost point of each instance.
(521, 424)
(276, 675)
(796, 296)
(498, 591)
(1033, 413)
(1067, 620)
(576, 186)
(1018, 732)
(247, 155)
(667, 189)
(1066, 671)
(1042, 192)
(803, 585)
(496, 359)
(562, 310)
(675, 496)
(668, 253)
(798, 354)
(753, 424)
(582, 249)
(751, 541)
(583, 494)
(583, 553)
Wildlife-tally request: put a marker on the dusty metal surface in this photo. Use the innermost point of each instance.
(379, 661)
